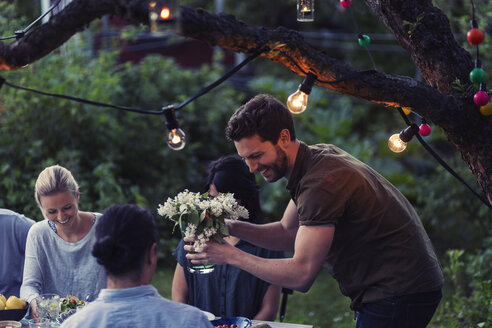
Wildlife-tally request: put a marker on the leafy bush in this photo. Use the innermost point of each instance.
(468, 302)
(116, 156)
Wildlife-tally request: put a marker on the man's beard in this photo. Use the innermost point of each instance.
(278, 169)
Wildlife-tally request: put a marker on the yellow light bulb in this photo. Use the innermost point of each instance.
(297, 102)
(395, 144)
(486, 109)
(176, 139)
(406, 110)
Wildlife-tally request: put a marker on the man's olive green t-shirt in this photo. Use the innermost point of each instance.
(380, 248)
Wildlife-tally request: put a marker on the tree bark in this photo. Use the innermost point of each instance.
(420, 28)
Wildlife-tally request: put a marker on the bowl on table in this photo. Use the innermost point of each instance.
(14, 315)
(241, 322)
(9, 323)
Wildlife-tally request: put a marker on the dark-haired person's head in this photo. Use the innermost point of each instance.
(125, 234)
(230, 174)
(263, 115)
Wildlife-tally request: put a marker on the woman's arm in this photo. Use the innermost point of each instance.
(270, 304)
(31, 281)
(179, 292)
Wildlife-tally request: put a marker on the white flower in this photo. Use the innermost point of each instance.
(199, 245)
(216, 207)
(168, 209)
(209, 232)
(190, 230)
(188, 209)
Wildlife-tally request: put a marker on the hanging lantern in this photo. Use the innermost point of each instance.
(305, 10)
(163, 16)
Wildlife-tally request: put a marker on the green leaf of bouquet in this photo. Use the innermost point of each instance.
(179, 223)
(194, 218)
(218, 238)
(223, 230)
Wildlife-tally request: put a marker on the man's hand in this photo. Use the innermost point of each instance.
(212, 253)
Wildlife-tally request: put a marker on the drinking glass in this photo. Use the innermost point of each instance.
(39, 323)
(48, 306)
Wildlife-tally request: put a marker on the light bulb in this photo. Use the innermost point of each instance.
(395, 144)
(176, 139)
(297, 102)
(398, 142)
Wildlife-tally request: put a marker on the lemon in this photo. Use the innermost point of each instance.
(3, 301)
(15, 303)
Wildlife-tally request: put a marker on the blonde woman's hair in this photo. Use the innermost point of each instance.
(52, 180)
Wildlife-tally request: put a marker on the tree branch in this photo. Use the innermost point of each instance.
(421, 29)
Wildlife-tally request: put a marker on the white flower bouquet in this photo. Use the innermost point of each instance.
(201, 216)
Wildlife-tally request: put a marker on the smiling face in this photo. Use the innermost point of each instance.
(264, 157)
(61, 208)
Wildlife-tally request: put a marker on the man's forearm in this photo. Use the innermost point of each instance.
(285, 272)
(272, 236)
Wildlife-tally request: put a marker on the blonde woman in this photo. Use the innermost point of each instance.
(58, 250)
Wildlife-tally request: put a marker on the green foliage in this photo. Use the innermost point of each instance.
(469, 289)
(413, 25)
(122, 157)
(116, 156)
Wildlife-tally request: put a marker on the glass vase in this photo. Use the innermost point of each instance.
(198, 268)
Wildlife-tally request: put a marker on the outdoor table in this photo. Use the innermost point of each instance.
(282, 324)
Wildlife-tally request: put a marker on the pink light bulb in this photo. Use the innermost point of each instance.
(481, 98)
(345, 3)
(424, 129)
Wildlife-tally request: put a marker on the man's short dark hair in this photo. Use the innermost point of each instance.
(263, 115)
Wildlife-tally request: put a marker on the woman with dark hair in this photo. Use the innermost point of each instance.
(229, 291)
(126, 246)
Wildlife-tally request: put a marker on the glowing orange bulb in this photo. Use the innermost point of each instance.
(395, 144)
(176, 139)
(165, 13)
(297, 102)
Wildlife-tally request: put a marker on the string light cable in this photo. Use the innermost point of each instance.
(364, 40)
(441, 161)
(138, 110)
(20, 33)
(176, 137)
